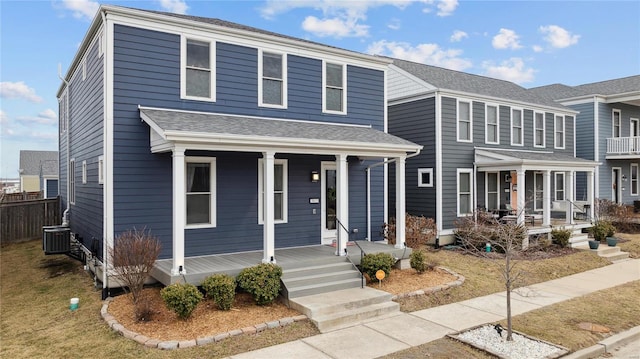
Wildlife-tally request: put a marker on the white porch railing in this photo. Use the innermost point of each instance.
(623, 145)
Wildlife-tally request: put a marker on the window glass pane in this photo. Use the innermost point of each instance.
(334, 75)
(198, 208)
(272, 66)
(277, 206)
(426, 178)
(198, 179)
(278, 171)
(334, 99)
(463, 108)
(198, 54)
(464, 131)
(198, 83)
(492, 181)
(492, 116)
(465, 182)
(272, 92)
(465, 203)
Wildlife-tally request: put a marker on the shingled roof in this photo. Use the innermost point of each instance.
(30, 162)
(610, 87)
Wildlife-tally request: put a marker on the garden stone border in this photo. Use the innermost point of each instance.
(179, 344)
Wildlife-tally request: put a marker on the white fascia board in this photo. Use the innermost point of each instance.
(508, 102)
(144, 19)
(581, 100)
(623, 97)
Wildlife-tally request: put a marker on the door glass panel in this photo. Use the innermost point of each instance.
(330, 203)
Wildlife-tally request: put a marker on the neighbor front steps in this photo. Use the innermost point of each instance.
(345, 308)
(578, 239)
(613, 254)
(326, 275)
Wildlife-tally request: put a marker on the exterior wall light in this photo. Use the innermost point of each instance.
(315, 176)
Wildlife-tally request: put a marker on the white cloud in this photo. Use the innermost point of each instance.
(334, 27)
(558, 37)
(394, 24)
(537, 48)
(175, 6)
(46, 117)
(506, 39)
(447, 7)
(3, 117)
(82, 8)
(430, 54)
(513, 70)
(18, 90)
(458, 35)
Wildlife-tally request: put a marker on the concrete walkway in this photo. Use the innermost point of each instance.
(382, 336)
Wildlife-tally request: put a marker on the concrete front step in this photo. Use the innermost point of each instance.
(604, 251)
(578, 239)
(291, 273)
(322, 288)
(319, 277)
(340, 309)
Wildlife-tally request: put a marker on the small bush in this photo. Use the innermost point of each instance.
(601, 230)
(371, 263)
(181, 298)
(221, 288)
(418, 261)
(561, 236)
(143, 309)
(418, 230)
(261, 281)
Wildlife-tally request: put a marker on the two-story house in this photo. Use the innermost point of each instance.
(222, 138)
(488, 144)
(608, 131)
(39, 172)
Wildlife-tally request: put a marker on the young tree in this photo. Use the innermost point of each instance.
(133, 256)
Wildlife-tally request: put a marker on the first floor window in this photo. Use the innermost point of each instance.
(538, 183)
(200, 192)
(465, 193)
(634, 179)
(425, 177)
(280, 175)
(559, 186)
(72, 181)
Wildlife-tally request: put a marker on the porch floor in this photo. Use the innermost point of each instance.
(199, 268)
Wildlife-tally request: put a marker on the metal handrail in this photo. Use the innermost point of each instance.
(346, 252)
(362, 254)
(582, 210)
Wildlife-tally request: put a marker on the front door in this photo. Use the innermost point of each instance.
(616, 191)
(328, 199)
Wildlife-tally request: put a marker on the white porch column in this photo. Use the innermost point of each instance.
(520, 196)
(400, 203)
(342, 204)
(568, 187)
(546, 199)
(590, 194)
(268, 223)
(179, 211)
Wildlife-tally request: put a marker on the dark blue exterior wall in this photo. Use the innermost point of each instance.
(147, 73)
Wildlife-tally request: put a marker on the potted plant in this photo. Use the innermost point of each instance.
(600, 231)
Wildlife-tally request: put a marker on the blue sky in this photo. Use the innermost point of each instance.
(532, 43)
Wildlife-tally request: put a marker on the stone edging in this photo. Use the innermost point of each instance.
(458, 282)
(175, 344)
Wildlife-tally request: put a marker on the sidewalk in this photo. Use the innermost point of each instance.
(382, 336)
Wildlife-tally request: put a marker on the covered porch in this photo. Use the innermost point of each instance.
(529, 186)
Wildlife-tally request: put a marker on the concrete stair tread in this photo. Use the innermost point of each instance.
(291, 281)
(309, 289)
(339, 300)
(351, 317)
(320, 268)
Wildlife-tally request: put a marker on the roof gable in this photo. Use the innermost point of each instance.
(31, 162)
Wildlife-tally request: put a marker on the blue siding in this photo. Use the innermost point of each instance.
(147, 73)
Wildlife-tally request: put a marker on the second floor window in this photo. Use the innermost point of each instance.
(273, 91)
(334, 88)
(198, 76)
(616, 117)
(464, 121)
(492, 130)
(517, 136)
(538, 133)
(559, 132)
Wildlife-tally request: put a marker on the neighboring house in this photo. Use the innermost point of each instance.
(608, 131)
(222, 138)
(488, 144)
(39, 172)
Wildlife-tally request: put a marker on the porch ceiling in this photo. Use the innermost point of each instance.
(212, 131)
(505, 160)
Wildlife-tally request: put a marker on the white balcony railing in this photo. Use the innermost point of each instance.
(623, 145)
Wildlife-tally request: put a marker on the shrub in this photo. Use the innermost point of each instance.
(418, 261)
(371, 263)
(181, 298)
(601, 230)
(418, 230)
(221, 288)
(261, 281)
(561, 236)
(473, 232)
(133, 256)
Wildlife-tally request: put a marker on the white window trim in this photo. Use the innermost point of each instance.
(458, 101)
(101, 44)
(183, 68)
(425, 170)
(71, 174)
(285, 190)
(521, 142)
(284, 104)
(212, 192)
(324, 87)
(544, 130)
(84, 172)
(555, 131)
(634, 189)
(556, 176)
(613, 122)
(84, 69)
(471, 185)
(497, 190)
(486, 123)
(101, 170)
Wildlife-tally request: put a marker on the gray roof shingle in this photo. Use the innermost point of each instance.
(609, 87)
(30, 162)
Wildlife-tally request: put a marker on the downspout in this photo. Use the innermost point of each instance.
(368, 192)
(596, 146)
(65, 214)
(105, 242)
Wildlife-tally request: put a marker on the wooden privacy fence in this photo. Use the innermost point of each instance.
(24, 220)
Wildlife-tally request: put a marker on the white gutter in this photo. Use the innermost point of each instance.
(65, 219)
(596, 145)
